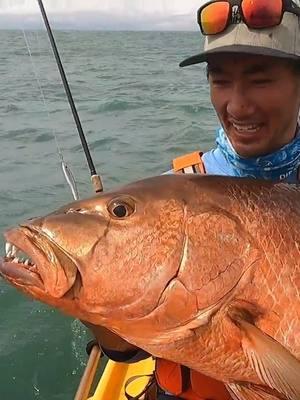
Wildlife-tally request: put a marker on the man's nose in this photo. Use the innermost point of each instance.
(239, 105)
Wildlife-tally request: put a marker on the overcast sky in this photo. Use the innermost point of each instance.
(103, 14)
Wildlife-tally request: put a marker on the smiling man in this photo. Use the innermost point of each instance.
(257, 100)
(252, 51)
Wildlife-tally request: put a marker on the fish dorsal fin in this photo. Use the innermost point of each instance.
(273, 363)
(249, 392)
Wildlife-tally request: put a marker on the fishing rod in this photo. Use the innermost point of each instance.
(95, 353)
(96, 180)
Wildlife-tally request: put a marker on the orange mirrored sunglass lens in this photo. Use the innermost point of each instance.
(262, 13)
(214, 17)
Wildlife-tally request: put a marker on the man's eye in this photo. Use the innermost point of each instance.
(220, 82)
(262, 81)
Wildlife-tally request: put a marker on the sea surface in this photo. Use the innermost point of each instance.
(138, 110)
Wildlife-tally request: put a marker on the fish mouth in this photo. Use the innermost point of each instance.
(35, 263)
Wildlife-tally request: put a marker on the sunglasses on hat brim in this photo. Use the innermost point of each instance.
(214, 17)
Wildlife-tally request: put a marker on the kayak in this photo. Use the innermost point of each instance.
(116, 375)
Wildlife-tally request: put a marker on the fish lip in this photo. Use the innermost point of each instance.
(17, 273)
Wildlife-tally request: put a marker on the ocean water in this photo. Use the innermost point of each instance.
(138, 110)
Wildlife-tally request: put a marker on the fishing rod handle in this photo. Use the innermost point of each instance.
(97, 183)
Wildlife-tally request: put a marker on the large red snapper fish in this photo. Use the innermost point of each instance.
(200, 270)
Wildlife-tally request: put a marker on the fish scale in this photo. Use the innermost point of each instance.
(199, 270)
(276, 276)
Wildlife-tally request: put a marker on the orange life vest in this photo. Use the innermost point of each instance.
(174, 378)
(188, 384)
(189, 163)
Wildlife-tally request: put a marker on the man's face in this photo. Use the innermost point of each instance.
(257, 100)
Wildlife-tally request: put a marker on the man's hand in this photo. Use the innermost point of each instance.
(109, 340)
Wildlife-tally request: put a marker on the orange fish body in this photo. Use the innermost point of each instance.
(200, 270)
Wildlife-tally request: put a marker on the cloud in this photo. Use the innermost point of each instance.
(102, 15)
(123, 7)
(99, 21)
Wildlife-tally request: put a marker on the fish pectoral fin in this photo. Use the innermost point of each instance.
(273, 363)
(248, 392)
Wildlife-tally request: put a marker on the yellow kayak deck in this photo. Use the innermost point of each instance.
(113, 380)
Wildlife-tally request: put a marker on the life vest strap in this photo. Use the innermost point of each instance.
(191, 163)
(149, 389)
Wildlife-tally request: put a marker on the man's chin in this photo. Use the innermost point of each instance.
(248, 145)
(246, 152)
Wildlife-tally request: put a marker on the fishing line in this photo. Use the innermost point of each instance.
(69, 177)
(93, 361)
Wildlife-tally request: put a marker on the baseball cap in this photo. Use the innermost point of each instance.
(280, 41)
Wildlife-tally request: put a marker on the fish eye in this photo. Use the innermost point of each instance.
(121, 207)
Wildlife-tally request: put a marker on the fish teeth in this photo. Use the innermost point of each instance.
(11, 253)
(8, 248)
(14, 250)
